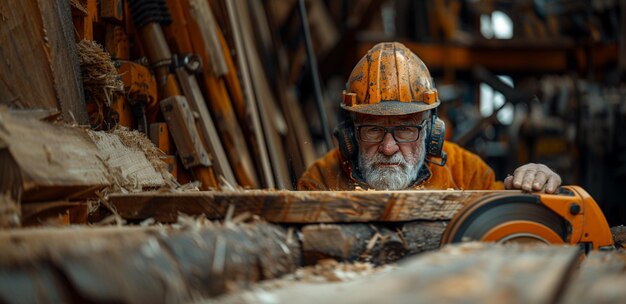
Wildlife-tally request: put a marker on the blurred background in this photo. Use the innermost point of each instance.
(564, 59)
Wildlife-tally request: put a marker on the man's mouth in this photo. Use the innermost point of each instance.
(387, 165)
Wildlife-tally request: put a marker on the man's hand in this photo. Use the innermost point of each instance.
(533, 177)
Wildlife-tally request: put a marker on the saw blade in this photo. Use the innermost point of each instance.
(479, 219)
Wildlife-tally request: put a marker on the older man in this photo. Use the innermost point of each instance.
(391, 139)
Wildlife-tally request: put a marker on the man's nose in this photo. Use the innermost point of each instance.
(389, 146)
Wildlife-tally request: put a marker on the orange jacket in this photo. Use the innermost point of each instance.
(463, 171)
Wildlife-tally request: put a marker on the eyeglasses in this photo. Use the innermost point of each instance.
(401, 134)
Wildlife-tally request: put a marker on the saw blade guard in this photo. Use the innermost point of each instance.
(569, 217)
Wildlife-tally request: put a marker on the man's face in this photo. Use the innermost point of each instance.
(390, 164)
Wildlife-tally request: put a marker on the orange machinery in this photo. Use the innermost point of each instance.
(569, 217)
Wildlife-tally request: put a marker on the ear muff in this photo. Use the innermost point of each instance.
(348, 145)
(345, 134)
(434, 141)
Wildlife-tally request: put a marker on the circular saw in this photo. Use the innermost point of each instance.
(569, 217)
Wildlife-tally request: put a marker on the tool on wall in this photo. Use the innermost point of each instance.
(148, 17)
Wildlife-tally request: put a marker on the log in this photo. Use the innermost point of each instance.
(465, 273)
(423, 236)
(339, 242)
(375, 243)
(601, 279)
(140, 264)
(299, 206)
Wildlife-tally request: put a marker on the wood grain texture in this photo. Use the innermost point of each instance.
(299, 206)
(54, 162)
(375, 243)
(27, 79)
(140, 264)
(466, 273)
(600, 279)
(68, 83)
(220, 106)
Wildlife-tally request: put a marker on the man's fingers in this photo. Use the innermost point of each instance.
(508, 182)
(518, 177)
(553, 183)
(540, 181)
(529, 178)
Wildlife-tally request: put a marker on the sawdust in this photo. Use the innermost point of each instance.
(101, 81)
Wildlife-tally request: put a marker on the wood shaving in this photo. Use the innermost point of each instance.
(101, 81)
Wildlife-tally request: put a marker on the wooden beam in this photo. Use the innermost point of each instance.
(299, 206)
(39, 60)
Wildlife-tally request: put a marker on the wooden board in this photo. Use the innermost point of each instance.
(27, 80)
(139, 264)
(601, 279)
(299, 206)
(54, 162)
(41, 161)
(39, 59)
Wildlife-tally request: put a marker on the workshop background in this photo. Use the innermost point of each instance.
(520, 81)
(566, 62)
(115, 113)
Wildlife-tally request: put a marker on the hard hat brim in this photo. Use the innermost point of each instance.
(391, 108)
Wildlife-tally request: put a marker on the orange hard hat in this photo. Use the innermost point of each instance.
(390, 80)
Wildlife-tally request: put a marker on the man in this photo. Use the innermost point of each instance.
(391, 139)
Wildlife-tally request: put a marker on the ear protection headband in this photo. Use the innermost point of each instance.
(348, 145)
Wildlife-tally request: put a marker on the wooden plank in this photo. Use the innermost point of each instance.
(265, 101)
(44, 162)
(467, 273)
(59, 37)
(601, 279)
(54, 162)
(257, 142)
(23, 49)
(221, 108)
(53, 213)
(141, 264)
(299, 206)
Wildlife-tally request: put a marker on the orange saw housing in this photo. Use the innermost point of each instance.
(570, 217)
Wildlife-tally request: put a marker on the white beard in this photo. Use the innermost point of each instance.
(390, 178)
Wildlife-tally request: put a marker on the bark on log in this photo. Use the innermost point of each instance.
(298, 206)
(376, 242)
(423, 236)
(139, 265)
